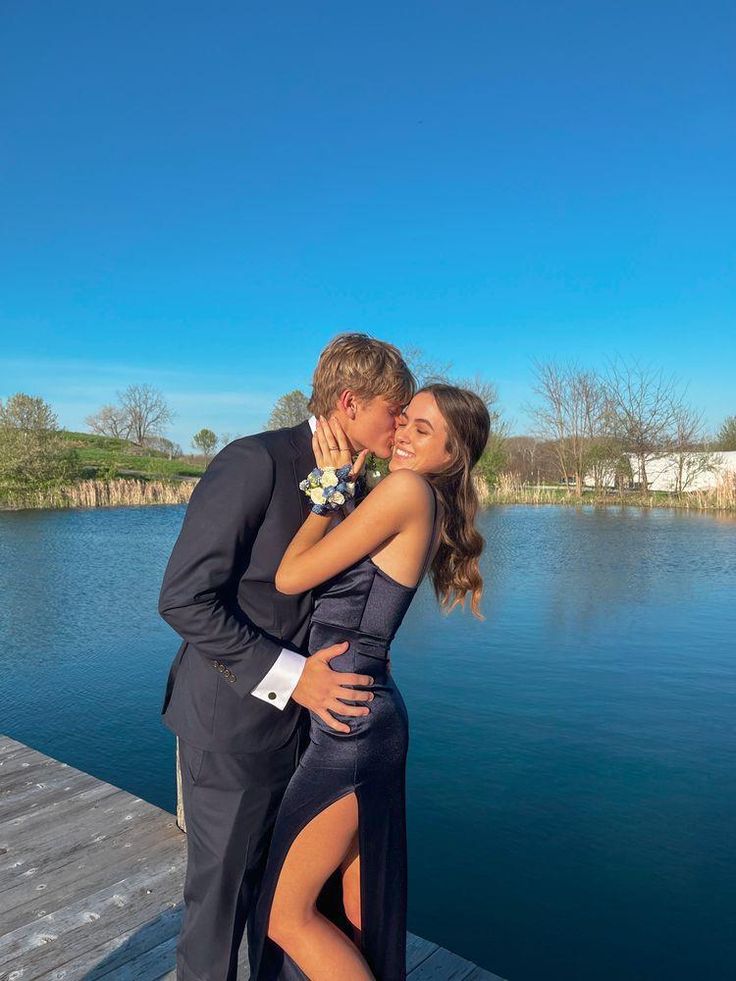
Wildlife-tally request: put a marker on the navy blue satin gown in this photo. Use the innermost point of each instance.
(364, 605)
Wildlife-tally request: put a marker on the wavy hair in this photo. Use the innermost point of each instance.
(455, 569)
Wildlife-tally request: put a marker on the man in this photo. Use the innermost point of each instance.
(241, 682)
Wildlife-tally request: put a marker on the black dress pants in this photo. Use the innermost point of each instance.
(230, 804)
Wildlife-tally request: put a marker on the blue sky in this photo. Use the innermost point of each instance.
(198, 196)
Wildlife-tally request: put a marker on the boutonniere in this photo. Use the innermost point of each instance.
(372, 474)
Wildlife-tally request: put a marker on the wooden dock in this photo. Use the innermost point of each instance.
(91, 880)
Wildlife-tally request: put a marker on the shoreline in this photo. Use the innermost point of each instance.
(136, 492)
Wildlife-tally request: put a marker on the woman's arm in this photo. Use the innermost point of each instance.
(313, 556)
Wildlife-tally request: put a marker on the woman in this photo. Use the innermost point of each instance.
(343, 811)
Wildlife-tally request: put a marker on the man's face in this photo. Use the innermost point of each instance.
(374, 426)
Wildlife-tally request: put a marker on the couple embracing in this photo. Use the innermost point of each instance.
(287, 584)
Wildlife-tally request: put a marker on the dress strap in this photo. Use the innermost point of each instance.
(432, 537)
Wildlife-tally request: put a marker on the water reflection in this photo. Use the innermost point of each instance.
(572, 767)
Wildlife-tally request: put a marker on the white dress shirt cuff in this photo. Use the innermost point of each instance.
(276, 687)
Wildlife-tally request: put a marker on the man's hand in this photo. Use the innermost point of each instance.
(319, 688)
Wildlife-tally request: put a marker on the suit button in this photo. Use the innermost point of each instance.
(233, 677)
(220, 667)
(272, 694)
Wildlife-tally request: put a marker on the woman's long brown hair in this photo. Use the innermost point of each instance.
(455, 569)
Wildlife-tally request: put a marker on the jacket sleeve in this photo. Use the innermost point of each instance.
(199, 591)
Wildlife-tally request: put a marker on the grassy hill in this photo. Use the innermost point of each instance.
(108, 458)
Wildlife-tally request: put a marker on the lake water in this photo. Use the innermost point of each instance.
(572, 777)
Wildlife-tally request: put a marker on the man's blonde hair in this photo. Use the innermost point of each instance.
(368, 367)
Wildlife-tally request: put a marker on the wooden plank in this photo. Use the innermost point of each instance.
(89, 833)
(85, 812)
(24, 764)
(60, 938)
(79, 783)
(48, 830)
(8, 747)
(143, 954)
(479, 974)
(62, 810)
(443, 965)
(27, 794)
(152, 965)
(19, 759)
(417, 951)
(46, 891)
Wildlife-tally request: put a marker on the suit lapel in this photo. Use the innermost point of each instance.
(302, 462)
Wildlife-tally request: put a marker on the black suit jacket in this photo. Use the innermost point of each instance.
(218, 594)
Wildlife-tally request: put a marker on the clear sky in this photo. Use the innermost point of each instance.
(199, 195)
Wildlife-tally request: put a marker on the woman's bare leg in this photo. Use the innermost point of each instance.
(350, 871)
(317, 945)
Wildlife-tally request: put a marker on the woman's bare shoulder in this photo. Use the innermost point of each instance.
(405, 485)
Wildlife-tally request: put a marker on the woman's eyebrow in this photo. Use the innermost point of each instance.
(420, 420)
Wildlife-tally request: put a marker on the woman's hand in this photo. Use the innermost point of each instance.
(331, 447)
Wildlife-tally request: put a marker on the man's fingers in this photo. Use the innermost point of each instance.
(342, 709)
(364, 680)
(327, 653)
(355, 696)
(333, 723)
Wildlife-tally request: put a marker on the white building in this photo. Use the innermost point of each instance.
(700, 471)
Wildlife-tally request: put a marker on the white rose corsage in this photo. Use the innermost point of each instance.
(328, 488)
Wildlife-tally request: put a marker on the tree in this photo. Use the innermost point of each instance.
(146, 410)
(691, 458)
(425, 370)
(111, 420)
(569, 415)
(27, 413)
(642, 409)
(141, 414)
(33, 451)
(205, 441)
(530, 459)
(163, 445)
(494, 459)
(290, 410)
(486, 391)
(726, 438)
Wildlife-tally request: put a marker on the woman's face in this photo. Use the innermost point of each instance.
(421, 437)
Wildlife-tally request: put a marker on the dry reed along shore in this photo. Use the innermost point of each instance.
(510, 490)
(132, 492)
(103, 493)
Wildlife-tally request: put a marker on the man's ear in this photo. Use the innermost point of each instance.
(348, 403)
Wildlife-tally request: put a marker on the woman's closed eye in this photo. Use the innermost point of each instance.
(422, 432)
